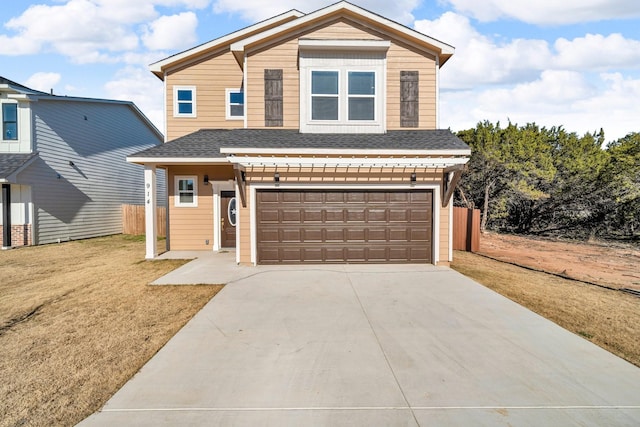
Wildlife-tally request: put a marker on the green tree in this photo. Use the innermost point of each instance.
(508, 173)
(621, 181)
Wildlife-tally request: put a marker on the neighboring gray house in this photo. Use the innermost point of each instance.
(62, 165)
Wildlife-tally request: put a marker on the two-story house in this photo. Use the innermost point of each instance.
(63, 166)
(308, 138)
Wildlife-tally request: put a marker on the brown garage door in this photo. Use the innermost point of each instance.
(344, 226)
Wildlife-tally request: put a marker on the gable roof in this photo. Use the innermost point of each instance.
(10, 84)
(186, 56)
(12, 163)
(349, 10)
(292, 21)
(18, 91)
(212, 145)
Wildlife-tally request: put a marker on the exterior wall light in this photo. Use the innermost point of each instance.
(206, 180)
(276, 177)
(413, 178)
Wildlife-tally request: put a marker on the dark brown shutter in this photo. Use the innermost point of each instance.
(273, 97)
(409, 99)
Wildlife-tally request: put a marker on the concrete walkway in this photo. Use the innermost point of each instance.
(373, 346)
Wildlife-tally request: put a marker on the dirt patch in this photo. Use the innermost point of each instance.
(607, 264)
(608, 318)
(77, 320)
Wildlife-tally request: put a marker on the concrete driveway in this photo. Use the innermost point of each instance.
(373, 346)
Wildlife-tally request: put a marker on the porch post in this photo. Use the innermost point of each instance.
(150, 211)
(6, 216)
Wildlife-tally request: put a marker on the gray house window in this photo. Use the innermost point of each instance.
(362, 95)
(10, 121)
(324, 95)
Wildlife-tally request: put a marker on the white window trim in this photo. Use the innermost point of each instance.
(176, 196)
(227, 103)
(18, 120)
(343, 96)
(193, 101)
(369, 62)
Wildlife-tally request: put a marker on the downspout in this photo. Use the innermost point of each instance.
(6, 216)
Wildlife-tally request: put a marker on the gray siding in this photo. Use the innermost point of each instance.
(84, 199)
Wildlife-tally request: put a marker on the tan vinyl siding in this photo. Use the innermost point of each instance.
(211, 77)
(444, 234)
(404, 58)
(285, 57)
(191, 227)
(400, 57)
(341, 29)
(244, 221)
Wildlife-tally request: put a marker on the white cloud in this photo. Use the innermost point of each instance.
(143, 88)
(18, 45)
(556, 98)
(78, 29)
(172, 32)
(548, 12)
(595, 51)
(479, 59)
(257, 10)
(90, 31)
(43, 81)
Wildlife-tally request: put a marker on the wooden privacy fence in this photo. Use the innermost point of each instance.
(466, 229)
(133, 221)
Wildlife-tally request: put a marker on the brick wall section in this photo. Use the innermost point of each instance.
(20, 234)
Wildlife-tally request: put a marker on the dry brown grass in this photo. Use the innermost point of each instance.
(77, 320)
(608, 318)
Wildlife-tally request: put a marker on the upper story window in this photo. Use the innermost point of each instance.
(184, 101)
(10, 122)
(186, 191)
(325, 95)
(235, 104)
(343, 86)
(362, 95)
(343, 96)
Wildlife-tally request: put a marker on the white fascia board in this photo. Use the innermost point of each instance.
(338, 162)
(444, 48)
(157, 67)
(178, 160)
(344, 151)
(344, 44)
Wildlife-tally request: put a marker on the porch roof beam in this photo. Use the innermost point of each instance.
(342, 162)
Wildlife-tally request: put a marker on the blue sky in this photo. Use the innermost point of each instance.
(571, 63)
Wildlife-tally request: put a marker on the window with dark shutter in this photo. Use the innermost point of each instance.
(409, 94)
(273, 97)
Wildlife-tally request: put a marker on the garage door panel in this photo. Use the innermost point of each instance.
(377, 234)
(344, 226)
(334, 235)
(356, 215)
(313, 197)
(397, 215)
(291, 215)
(289, 197)
(312, 215)
(356, 235)
(269, 235)
(376, 215)
(334, 215)
(312, 235)
(269, 215)
(291, 235)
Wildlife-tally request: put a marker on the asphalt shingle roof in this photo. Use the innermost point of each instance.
(206, 143)
(11, 162)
